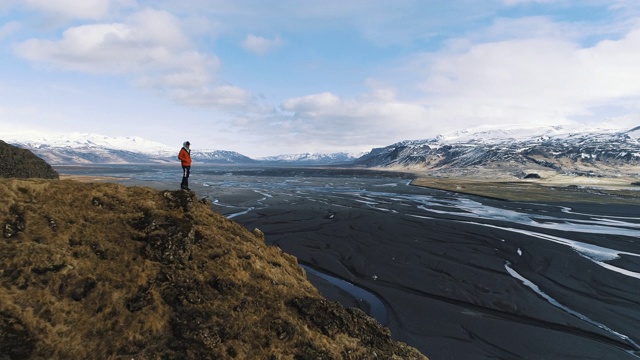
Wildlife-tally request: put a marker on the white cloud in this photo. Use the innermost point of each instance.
(151, 46)
(536, 80)
(260, 45)
(149, 38)
(73, 9)
(314, 106)
(372, 118)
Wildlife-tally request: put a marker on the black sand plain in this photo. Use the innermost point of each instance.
(446, 287)
(445, 278)
(445, 284)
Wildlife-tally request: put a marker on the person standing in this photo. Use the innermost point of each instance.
(185, 159)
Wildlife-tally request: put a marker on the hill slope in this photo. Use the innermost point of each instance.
(110, 272)
(22, 163)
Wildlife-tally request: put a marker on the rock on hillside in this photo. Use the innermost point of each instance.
(22, 163)
(104, 271)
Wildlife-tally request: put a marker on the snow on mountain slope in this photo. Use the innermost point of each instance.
(220, 157)
(558, 148)
(95, 141)
(489, 134)
(308, 158)
(634, 133)
(583, 151)
(77, 148)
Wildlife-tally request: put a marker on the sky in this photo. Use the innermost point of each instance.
(293, 76)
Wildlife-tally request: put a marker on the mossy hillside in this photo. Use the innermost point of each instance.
(111, 272)
(22, 163)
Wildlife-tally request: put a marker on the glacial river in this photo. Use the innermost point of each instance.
(455, 276)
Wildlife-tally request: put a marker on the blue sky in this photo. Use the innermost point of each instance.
(283, 76)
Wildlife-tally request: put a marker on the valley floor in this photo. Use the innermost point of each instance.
(551, 274)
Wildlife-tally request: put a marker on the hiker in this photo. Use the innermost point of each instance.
(185, 159)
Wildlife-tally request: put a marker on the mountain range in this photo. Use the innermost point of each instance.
(559, 149)
(581, 151)
(77, 148)
(308, 158)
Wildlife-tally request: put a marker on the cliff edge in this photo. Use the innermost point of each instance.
(104, 271)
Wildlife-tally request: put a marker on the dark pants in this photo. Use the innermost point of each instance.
(186, 170)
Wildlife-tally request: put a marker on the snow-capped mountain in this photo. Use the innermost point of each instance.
(79, 148)
(308, 159)
(220, 157)
(92, 141)
(558, 148)
(583, 151)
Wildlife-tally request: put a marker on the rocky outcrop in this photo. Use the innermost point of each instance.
(22, 163)
(103, 271)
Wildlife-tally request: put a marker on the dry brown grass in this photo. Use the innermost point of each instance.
(102, 271)
(91, 179)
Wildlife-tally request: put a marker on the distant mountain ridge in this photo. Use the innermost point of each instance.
(219, 157)
(308, 158)
(77, 148)
(556, 148)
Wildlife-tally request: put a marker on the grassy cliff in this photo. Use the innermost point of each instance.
(103, 271)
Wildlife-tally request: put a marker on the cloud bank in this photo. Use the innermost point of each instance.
(150, 46)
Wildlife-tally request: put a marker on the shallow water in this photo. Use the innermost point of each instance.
(465, 267)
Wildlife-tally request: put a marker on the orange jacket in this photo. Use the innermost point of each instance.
(185, 157)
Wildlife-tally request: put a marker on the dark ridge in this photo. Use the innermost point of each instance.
(22, 163)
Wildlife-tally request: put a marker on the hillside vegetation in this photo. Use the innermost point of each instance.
(22, 163)
(104, 271)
